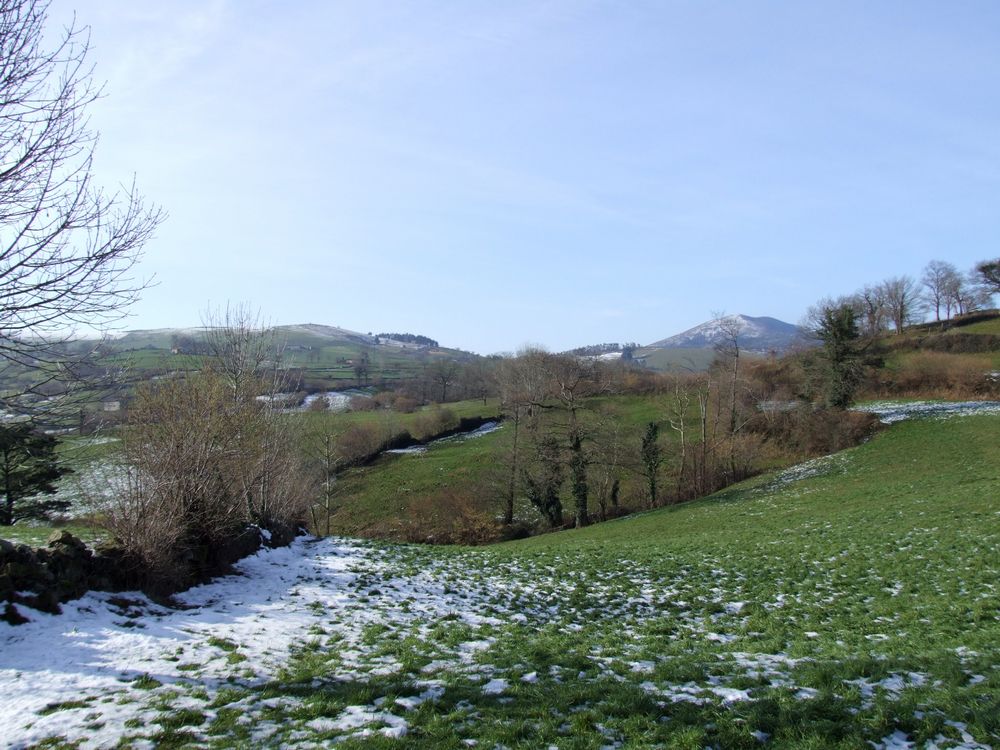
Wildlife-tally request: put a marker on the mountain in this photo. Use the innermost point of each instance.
(756, 335)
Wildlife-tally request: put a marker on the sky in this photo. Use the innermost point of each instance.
(559, 173)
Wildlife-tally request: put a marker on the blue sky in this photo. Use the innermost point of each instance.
(491, 174)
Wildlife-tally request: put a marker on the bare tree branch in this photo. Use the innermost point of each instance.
(68, 249)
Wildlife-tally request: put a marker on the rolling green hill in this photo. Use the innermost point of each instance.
(318, 357)
(850, 603)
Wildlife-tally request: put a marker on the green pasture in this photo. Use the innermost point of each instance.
(848, 603)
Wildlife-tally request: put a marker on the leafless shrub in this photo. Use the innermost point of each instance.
(362, 403)
(805, 432)
(452, 516)
(929, 374)
(384, 399)
(321, 403)
(433, 422)
(405, 404)
(204, 457)
(357, 442)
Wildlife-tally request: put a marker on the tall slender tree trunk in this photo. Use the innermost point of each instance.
(508, 516)
(578, 471)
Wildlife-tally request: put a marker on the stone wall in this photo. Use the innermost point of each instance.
(42, 578)
(64, 569)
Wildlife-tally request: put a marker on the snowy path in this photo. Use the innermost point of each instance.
(102, 644)
(90, 671)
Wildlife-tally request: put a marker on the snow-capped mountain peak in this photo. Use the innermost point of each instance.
(761, 334)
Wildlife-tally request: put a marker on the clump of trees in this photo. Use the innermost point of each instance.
(408, 338)
(853, 352)
(895, 303)
(205, 457)
(568, 448)
(544, 396)
(572, 454)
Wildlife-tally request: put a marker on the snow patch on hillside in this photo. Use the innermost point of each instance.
(890, 412)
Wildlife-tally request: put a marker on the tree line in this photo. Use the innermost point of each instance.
(900, 301)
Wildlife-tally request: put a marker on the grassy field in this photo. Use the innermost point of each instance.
(826, 607)
(391, 422)
(424, 490)
(851, 602)
(37, 536)
(89, 458)
(676, 359)
(401, 490)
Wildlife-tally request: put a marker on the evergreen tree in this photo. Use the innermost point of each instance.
(28, 468)
(842, 368)
(651, 459)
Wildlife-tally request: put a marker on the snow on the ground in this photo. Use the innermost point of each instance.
(484, 429)
(889, 412)
(104, 663)
(103, 642)
(335, 400)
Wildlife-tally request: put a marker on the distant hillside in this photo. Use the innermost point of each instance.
(317, 357)
(756, 335)
(302, 335)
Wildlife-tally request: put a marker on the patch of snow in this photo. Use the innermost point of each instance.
(409, 703)
(898, 740)
(730, 695)
(408, 451)
(721, 637)
(643, 667)
(495, 687)
(355, 717)
(890, 412)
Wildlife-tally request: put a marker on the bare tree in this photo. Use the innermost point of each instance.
(939, 281)
(901, 300)
(678, 408)
(872, 310)
(609, 460)
(728, 349)
(67, 248)
(514, 403)
(969, 293)
(244, 350)
(326, 457)
(444, 372)
(571, 381)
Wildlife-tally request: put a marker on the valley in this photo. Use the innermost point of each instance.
(850, 602)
